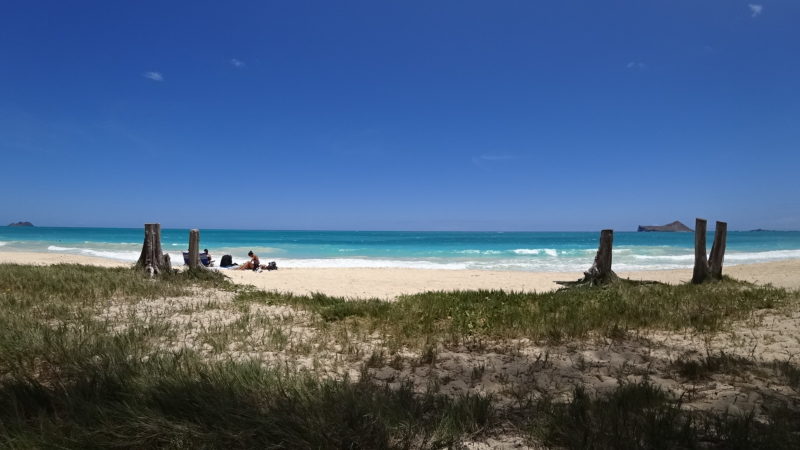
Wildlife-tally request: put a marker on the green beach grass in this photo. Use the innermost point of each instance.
(73, 377)
(565, 314)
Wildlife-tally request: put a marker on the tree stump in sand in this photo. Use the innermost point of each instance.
(701, 269)
(152, 259)
(718, 250)
(711, 268)
(600, 273)
(194, 250)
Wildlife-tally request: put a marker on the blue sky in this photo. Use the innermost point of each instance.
(433, 115)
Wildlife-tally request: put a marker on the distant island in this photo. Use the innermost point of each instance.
(20, 224)
(674, 226)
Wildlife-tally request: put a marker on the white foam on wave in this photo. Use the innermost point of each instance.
(536, 251)
(122, 256)
(369, 263)
(55, 248)
(478, 252)
(665, 257)
(3, 243)
(771, 255)
(522, 259)
(730, 257)
(118, 255)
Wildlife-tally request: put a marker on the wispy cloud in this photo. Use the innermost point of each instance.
(155, 76)
(636, 65)
(756, 9)
(238, 63)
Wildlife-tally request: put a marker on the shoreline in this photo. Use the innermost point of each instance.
(388, 283)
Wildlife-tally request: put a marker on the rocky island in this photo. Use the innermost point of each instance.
(674, 226)
(20, 224)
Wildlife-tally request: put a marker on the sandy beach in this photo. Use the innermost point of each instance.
(387, 284)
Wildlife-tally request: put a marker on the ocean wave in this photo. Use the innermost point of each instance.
(730, 256)
(108, 254)
(3, 243)
(574, 266)
(121, 256)
(478, 252)
(770, 255)
(55, 248)
(536, 251)
(353, 263)
(574, 260)
(664, 257)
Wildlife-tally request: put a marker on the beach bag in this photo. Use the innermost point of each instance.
(227, 261)
(272, 266)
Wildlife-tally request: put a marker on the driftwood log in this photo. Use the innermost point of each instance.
(600, 273)
(152, 259)
(708, 268)
(194, 249)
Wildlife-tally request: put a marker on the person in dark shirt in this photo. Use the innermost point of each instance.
(253, 264)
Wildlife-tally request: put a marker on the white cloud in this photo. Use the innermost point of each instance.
(636, 65)
(155, 76)
(237, 63)
(756, 9)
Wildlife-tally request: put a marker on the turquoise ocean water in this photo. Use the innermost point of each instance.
(534, 251)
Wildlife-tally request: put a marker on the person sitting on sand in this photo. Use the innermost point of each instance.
(208, 255)
(253, 264)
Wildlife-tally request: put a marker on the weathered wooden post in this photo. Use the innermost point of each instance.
(600, 272)
(718, 250)
(152, 259)
(701, 270)
(194, 248)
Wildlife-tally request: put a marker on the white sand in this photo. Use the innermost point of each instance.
(389, 283)
(40, 259)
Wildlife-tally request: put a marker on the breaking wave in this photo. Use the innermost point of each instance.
(536, 251)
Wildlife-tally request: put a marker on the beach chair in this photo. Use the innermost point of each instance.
(204, 259)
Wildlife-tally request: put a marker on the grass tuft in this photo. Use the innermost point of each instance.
(641, 416)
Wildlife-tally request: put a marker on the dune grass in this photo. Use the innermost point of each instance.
(178, 401)
(70, 378)
(641, 416)
(564, 314)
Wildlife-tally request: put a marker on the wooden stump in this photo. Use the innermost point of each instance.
(152, 259)
(194, 249)
(600, 273)
(718, 250)
(701, 269)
